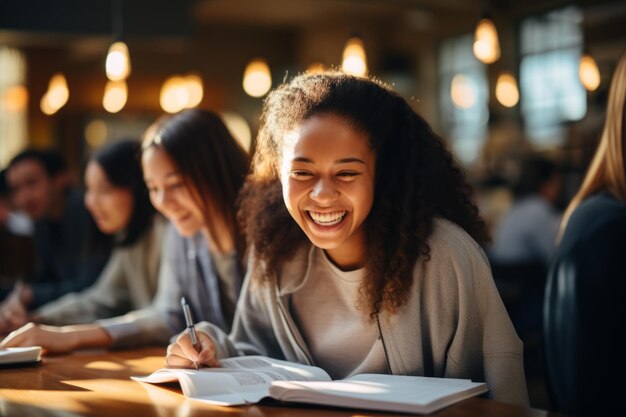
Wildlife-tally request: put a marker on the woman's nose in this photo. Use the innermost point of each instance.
(324, 191)
(161, 198)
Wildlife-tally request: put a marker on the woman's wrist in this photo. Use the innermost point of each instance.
(87, 335)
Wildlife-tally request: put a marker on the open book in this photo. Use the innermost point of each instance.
(248, 379)
(20, 356)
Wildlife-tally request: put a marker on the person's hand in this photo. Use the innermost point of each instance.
(51, 338)
(13, 312)
(181, 353)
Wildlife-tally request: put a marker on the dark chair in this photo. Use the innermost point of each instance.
(521, 286)
(584, 324)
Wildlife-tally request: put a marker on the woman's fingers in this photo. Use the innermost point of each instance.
(182, 354)
(176, 358)
(20, 337)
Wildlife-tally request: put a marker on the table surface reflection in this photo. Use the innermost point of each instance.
(96, 383)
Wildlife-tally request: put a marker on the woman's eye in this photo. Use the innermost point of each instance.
(348, 174)
(175, 185)
(299, 174)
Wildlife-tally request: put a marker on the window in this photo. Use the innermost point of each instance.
(551, 92)
(463, 97)
(13, 103)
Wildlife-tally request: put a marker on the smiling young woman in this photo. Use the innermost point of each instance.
(365, 253)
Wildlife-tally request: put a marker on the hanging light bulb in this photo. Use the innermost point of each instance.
(257, 79)
(195, 91)
(354, 61)
(115, 96)
(45, 106)
(56, 96)
(181, 92)
(463, 92)
(588, 73)
(486, 44)
(506, 90)
(118, 62)
(174, 96)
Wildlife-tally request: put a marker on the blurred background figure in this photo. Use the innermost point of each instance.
(524, 242)
(193, 169)
(585, 308)
(527, 233)
(39, 187)
(118, 201)
(17, 250)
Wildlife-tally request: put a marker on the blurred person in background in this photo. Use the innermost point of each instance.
(193, 169)
(584, 309)
(17, 250)
(527, 233)
(39, 187)
(118, 200)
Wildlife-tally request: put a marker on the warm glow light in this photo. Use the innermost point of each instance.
(506, 90)
(316, 68)
(354, 61)
(486, 44)
(588, 73)
(181, 92)
(115, 96)
(56, 96)
(15, 98)
(104, 366)
(173, 94)
(58, 93)
(118, 62)
(257, 79)
(96, 133)
(45, 106)
(195, 91)
(463, 92)
(238, 127)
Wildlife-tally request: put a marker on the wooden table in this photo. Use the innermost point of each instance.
(96, 383)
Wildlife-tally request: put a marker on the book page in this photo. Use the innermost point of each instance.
(238, 381)
(14, 355)
(401, 393)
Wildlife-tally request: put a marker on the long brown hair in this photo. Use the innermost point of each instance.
(607, 170)
(416, 181)
(210, 160)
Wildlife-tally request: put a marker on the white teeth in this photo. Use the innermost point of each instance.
(327, 219)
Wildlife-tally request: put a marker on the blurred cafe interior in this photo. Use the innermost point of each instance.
(497, 79)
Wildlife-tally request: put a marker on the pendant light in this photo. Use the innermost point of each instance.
(181, 92)
(118, 62)
(507, 92)
(354, 61)
(486, 45)
(257, 79)
(56, 96)
(588, 72)
(115, 96)
(118, 58)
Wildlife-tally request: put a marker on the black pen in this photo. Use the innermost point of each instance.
(190, 328)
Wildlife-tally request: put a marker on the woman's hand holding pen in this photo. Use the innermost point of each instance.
(182, 354)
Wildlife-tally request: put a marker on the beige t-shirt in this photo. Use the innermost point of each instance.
(340, 337)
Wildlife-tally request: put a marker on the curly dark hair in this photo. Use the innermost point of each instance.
(416, 181)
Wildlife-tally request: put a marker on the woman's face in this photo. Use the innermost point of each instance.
(169, 193)
(327, 173)
(110, 206)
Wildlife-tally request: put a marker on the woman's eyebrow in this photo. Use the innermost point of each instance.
(338, 161)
